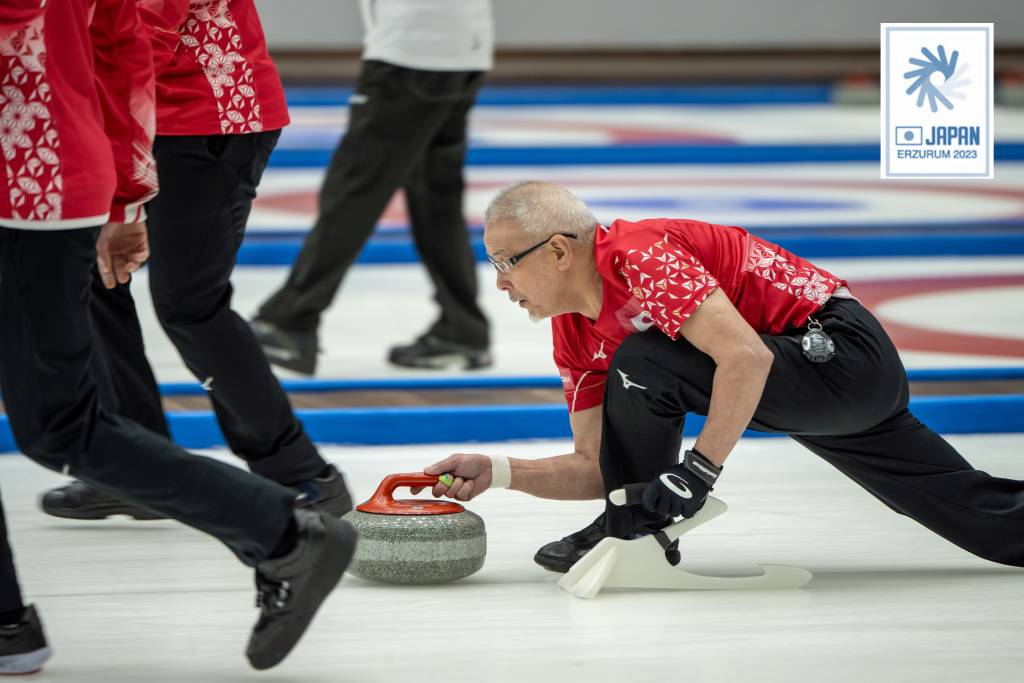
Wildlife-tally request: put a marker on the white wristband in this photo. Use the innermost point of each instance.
(501, 472)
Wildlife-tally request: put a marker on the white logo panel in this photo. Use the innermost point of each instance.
(937, 98)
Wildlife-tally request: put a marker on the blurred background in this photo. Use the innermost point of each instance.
(654, 41)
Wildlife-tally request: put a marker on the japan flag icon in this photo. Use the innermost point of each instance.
(909, 135)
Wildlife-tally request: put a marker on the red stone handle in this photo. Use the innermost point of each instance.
(386, 490)
(383, 499)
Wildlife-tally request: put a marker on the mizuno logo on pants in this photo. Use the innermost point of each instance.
(627, 382)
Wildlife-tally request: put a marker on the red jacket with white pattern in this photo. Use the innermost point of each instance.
(214, 75)
(76, 113)
(655, 273)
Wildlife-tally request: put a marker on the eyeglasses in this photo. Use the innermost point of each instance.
(506, 265)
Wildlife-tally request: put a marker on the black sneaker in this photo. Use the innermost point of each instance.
(560, 556)
(285, 348)
(79, 500)
(433, 353)
(291, 589)
(327, 492)
(23, 646)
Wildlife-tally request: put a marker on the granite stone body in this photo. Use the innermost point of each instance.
(417, 549)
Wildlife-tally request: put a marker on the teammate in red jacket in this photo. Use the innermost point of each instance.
(76, 153)
(76, 105)
(214, 74)
(220, 108)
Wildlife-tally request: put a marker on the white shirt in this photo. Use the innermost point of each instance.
(435, 35)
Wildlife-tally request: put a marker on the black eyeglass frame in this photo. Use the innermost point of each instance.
(506, 265)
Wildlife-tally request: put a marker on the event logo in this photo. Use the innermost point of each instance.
(937, 99)
(937, 79)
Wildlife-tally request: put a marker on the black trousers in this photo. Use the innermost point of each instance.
(196, 225)
(47, 375)
(409, 132)
(10, 591)
(126, 383)
(850, 411)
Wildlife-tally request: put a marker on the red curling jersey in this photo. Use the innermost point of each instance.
(214, 75)
(76, 114)
(657, 272)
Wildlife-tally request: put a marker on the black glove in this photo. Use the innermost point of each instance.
(683, 488)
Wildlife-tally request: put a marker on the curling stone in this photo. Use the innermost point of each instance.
(415, 541)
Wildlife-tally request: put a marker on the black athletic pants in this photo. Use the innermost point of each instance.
(851, 411)
(407, 128)
(128, 387)
(10, 591)
(196, 225)
(116, 356)
(47, 375)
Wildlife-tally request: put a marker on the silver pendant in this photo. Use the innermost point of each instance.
(817, 346)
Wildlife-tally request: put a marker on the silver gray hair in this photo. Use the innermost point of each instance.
(541, 210)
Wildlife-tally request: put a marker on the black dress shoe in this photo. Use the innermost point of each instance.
(286, 348)
(433, 353)
(79, 500)
(327, 492)
(560, 556)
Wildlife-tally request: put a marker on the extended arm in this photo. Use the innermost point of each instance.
(743, 363)
(571, 476)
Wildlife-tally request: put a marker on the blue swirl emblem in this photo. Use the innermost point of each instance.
(937, 78)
